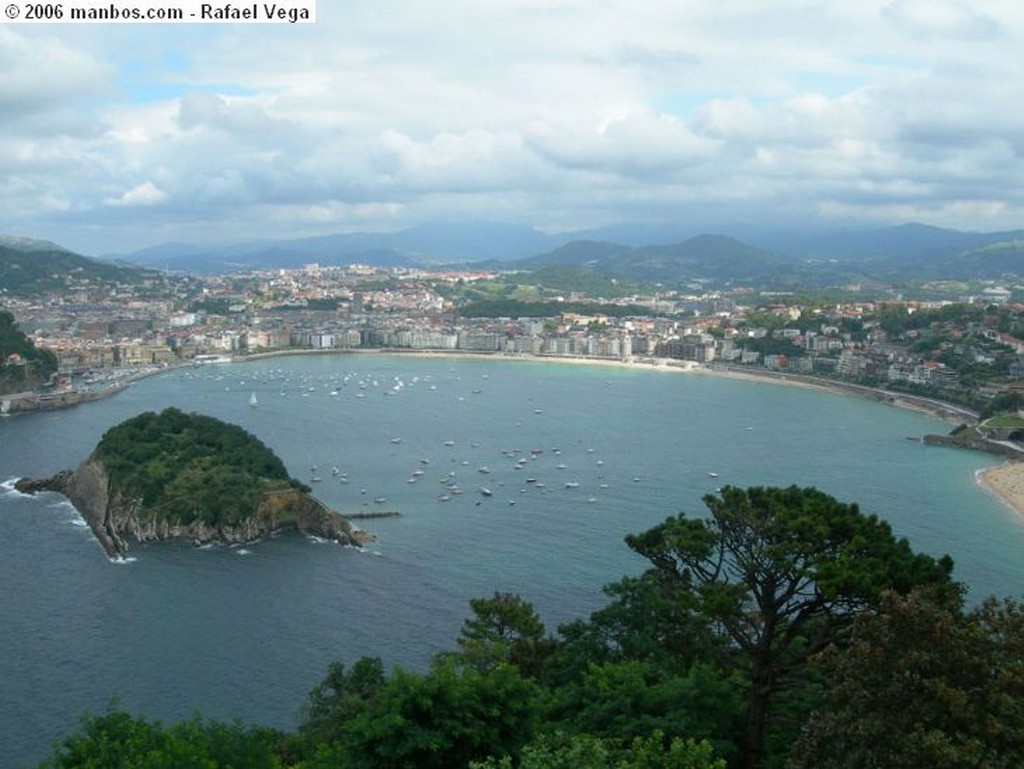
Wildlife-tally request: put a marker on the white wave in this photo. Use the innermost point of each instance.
(9, 490)
(243, 551)
(123, 559)
(316, 539)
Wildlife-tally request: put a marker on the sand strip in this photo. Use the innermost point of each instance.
(1006, 482)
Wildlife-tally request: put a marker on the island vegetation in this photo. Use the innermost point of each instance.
(187, 467)
(189, 477)
(782, 629)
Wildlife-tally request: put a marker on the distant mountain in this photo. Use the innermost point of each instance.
(34, 266)
(29, 245)
(905, 249)
(414, 247)
(717, 258)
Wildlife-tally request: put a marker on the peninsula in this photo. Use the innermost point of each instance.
(190, 477)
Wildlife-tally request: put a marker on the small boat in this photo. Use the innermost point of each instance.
(712, 475)
(572, 484)
(485, 491)
(252, 401)
(485, 469)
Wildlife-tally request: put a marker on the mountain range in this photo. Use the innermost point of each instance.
(664, 255)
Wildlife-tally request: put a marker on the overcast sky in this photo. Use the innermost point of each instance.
(561, 114)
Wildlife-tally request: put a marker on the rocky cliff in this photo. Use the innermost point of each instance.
(115, 520)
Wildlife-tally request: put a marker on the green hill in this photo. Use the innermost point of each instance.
(706, 257)
(190, 467)
(29, 267)
(22, 365)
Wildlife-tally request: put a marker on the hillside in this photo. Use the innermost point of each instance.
(716, 258)
(22, 365)
(30, 267)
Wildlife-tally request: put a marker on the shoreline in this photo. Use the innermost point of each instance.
(1006, 483)
(948, 412)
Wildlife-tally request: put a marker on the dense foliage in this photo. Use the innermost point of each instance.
(31, 365)
(188, 466)
(717, 656)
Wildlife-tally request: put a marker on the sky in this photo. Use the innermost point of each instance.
(559, 114)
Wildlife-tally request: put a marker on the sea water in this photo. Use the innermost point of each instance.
(574, 457)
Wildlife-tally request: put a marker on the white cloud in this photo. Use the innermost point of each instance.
(145, 194)
(941, 19)
(559, 114)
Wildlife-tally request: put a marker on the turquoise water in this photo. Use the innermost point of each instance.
(246, 632)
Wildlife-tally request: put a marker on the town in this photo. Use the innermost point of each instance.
(966, 350)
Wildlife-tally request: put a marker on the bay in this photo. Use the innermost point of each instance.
(246, 632)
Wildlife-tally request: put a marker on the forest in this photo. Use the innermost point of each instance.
(189, 466)
(23, 366)
(780, 628)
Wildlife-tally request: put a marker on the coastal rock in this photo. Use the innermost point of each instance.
(115, 519)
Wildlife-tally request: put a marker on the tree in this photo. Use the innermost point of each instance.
(340, 697)
(630, 699)
(118, 739)
(503, 629)
(780, 573)
(443, 719)
(923, 684)
(584, 751)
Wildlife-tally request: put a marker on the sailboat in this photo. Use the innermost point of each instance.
(252, 401)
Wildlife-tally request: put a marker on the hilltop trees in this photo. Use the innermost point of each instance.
(780, 574)
(714, 656)
(922, 683)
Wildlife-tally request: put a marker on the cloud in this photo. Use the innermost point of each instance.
(558, 114)
(145, 194)
(949, 19)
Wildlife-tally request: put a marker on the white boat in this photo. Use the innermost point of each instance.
(485, 491)
(252, 401)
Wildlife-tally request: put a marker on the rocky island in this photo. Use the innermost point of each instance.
(191, 477)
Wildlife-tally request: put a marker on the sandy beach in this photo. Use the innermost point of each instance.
(1006, 482)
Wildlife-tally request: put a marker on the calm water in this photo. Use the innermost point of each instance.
(246, 632)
